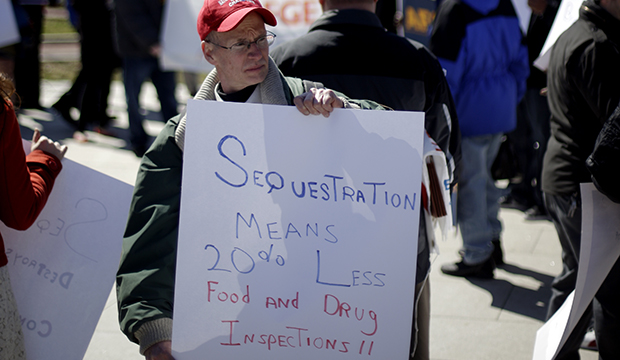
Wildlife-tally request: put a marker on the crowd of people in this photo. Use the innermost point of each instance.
(475, 81)
(114, 35)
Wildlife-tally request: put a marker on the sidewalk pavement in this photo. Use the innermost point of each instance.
(471, 319)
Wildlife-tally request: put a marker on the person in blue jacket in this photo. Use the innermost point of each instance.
(480, 46)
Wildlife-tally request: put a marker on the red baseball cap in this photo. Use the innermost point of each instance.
(225, 15)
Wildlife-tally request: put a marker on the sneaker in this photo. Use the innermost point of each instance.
(536, 213)
(498, 254)
(80, 137)
(483, 270)
(589, 341)
(105, 121)
(104, 131)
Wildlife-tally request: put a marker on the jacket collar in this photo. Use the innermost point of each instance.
(348, 17)
(271, 89)
(597, 15)
(271, 92)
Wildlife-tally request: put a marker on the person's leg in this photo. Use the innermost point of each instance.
(419, 347)
(607, 315)
(565, 213)
(474, 208)
(96, 63)
(472, 203)
(100, 58)
(570, 349)
(72, 98)
(27, 64)
(103, 120)
(135, 71)
(165, 84)
(519, 196)
(493, 202)
(112, 62)
(492, 192)
(90, 73)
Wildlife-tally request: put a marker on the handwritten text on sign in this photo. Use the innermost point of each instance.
(298, 235)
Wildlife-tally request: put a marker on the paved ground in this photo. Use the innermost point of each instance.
(470, 319)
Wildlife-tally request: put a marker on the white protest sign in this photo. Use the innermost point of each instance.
(63, 267)
(181, 43)
(9, 33)
(298, 235)
(600, 249)
(567, 14)
(524, 13)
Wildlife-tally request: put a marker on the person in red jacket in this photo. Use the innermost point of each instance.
(25, 184)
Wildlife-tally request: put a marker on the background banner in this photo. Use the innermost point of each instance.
(9, 33)
(181, 43)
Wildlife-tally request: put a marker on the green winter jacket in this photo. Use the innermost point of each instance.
(146, 275)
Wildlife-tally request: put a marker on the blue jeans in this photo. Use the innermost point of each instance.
(135, 72)
(477, 204)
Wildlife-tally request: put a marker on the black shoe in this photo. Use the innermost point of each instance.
(536, 213)
(498, 254)
(483, 270)
(104, 121)
(63, 113)
(509, 202)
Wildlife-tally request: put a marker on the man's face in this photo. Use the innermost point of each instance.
(239, 70)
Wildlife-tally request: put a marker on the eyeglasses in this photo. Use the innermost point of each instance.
(262, 42)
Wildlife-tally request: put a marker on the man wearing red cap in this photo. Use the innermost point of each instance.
(235, 41)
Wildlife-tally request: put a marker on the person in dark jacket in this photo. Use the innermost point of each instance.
(532, 132)
(235, 41)
(604, 162)
(138, 26)
(407, 77)
(480, 45)
(583, 78)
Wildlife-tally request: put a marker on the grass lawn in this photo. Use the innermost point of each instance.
(57, 22)
(65, 70)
